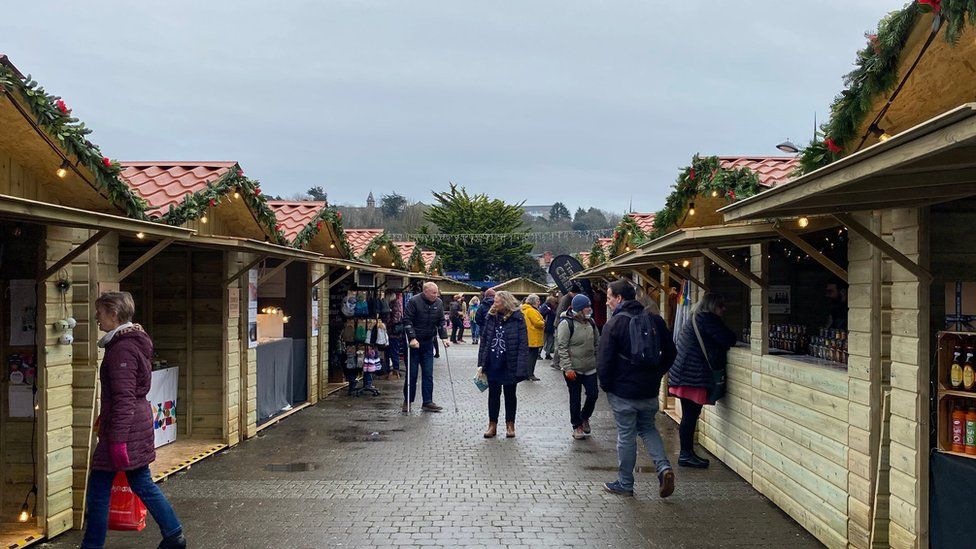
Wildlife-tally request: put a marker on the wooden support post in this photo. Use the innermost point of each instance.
(887, 249)
(686, 274)
(72, 255)
(160, 246)
(882, 443)
(811, 251)
(267, 276)
(722, 260)
(246, 268)
(341, 278)
(648, 280)
(328, 271)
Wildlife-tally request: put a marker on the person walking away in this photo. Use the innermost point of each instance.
(486, 304)
(535, 325)
(457, 319)
(472, 315)
(576, 342)
(548, 312)
(703, 346)
(125, 424)
(634, 352)
(423, 321)
(504, 357)
(396, 336)
(565, 304)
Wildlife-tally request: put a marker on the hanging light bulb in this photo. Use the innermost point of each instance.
(331, 246)
(24, 513)
(714, 193)
(685, 263)
(803, 222)
(140, 235)
(285, 319)
(691, 209)
(62, 170)
(203, 219)
(237, 194)
(348, 267)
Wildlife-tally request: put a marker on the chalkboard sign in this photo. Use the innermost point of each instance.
(562, 268)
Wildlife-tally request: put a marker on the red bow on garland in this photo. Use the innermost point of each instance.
(213, 202)
(930, 5)
(318, 226)
(106, 162)
(62, 107)
(832, 146)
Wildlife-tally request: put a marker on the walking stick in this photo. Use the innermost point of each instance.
(406, 382)
(450, 378)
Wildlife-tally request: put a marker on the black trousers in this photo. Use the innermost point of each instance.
(495, 402)
(580, 411)
(457, 330)
(533, 359)
(690, 411)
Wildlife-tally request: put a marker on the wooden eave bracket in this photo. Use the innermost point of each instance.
(341, 278)
(328, 271)
(722, 260)
(72, 255)
(153, 252)
(811, 251)
(649, 281)
(686, 274)
(867, 234)
(267, 276)
(246, 268)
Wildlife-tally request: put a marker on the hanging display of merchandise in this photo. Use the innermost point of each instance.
(252, 308)
(162, 399)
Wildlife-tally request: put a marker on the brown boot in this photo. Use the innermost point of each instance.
(509, 429)
(492, 429)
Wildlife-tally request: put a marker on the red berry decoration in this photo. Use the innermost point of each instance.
(240, 173)
(257, 191)
(832, 145)
(339, 216)
(106, 162)
(930, 5)
(731, 195)
(62, 107)
(213, 202)
(691, 174)
(318, 226)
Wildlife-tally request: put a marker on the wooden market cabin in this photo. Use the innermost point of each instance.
(521, 287)
(375, 246)
(62, 209)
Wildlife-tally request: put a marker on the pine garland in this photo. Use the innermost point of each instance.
(328, 214)
(436, 265)
(705, 175)
(54, 116)
(627, 227)
(416, 258)
(196, 205)
(597, 254)
(379, 241)
(876, 74)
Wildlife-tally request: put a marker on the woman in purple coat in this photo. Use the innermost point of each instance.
(125, 425)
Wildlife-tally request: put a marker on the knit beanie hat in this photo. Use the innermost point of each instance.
(581, 302)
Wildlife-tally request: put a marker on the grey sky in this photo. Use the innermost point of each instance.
(585, 102)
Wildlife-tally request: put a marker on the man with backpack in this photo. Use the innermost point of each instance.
(635, 351)
(576, 341)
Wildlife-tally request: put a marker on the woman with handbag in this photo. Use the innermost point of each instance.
(697, 377)
(125, 425)
(504, 358)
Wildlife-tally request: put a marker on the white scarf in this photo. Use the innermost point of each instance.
(109, 335)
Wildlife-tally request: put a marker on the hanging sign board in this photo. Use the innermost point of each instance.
(562, 268)
(252, 308)
(315, 311)
(778, 300)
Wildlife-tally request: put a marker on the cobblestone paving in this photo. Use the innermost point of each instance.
(355, 472)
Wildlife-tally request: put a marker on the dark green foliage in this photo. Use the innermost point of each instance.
(558, 212)
(318, 193)
(392, 205)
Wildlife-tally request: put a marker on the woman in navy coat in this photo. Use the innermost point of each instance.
(504, 357)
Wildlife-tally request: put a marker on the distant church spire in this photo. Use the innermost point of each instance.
(370, 201)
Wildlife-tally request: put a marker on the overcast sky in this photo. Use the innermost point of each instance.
(591, 103)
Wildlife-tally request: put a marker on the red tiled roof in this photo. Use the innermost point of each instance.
(644, 220)
(584, 258)
(294, 215)
(605, 243)
(359, 239)
(429, 258)
(406, 250)
(164, 184)
(772, 170)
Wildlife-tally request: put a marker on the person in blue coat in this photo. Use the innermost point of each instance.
(504, 358)
(692, 376)
(486, 304)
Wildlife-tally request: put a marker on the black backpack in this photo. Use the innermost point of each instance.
(645, 344)
(572, 327)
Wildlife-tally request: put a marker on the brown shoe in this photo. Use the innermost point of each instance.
(666, 478)
(404, 408)
(492, 429)
(385, 377)
(431, 407)
(509, 429)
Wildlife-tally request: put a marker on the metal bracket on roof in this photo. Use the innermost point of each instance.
(72, 255)
(885, 248)
(724, 261)
(810, 250)
(246, 268)
(268, 275)
(153, 252)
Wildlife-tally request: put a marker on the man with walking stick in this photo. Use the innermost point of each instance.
(423, 321)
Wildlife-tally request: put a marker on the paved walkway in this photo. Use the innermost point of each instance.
(354, 472)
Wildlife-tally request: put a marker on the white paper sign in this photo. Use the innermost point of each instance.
(162, 399)
(252, 309)
(778, 300)
(21, 400)
(23, 312)
(315, 311)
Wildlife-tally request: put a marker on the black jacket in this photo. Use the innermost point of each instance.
(549, 314)
(617, 374)
(424, 320)
(479, 317)
(515, 339)
(690, 368)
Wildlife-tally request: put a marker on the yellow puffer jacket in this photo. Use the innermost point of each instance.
(535, 324)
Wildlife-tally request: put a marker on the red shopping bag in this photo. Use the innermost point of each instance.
(125, 510)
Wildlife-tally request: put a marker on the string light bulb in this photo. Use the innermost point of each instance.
(203, 219)
(714, 193)
(803, 222)
(685, 263)
(62, 170)
(140, 235)
(237, 194)
(691, 209)
(331, 246)
(884, 137)
(348, 267)
(24, 513)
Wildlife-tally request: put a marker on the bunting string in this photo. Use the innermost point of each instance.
(528, 236)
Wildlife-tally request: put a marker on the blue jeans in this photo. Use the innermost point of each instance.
(421, 359)
(475, 331)
(393, 351)
(636, 417)
(100, 491)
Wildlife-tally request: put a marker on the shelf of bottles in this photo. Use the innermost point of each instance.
(957, 393)
(826, 344)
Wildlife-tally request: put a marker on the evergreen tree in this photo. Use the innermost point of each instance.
(318, 193)
(392, 205)
(558, 212)
(457, 212)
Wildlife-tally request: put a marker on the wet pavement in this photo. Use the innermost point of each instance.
(355, 472)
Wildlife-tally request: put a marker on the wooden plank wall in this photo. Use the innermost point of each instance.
(14, 180)
(315, 343)
(208, 373)
(232, 345)
(248, 369)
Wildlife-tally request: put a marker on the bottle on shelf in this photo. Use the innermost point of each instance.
(970, 442)
(968, 374)
(958, 429)
(955, 371)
